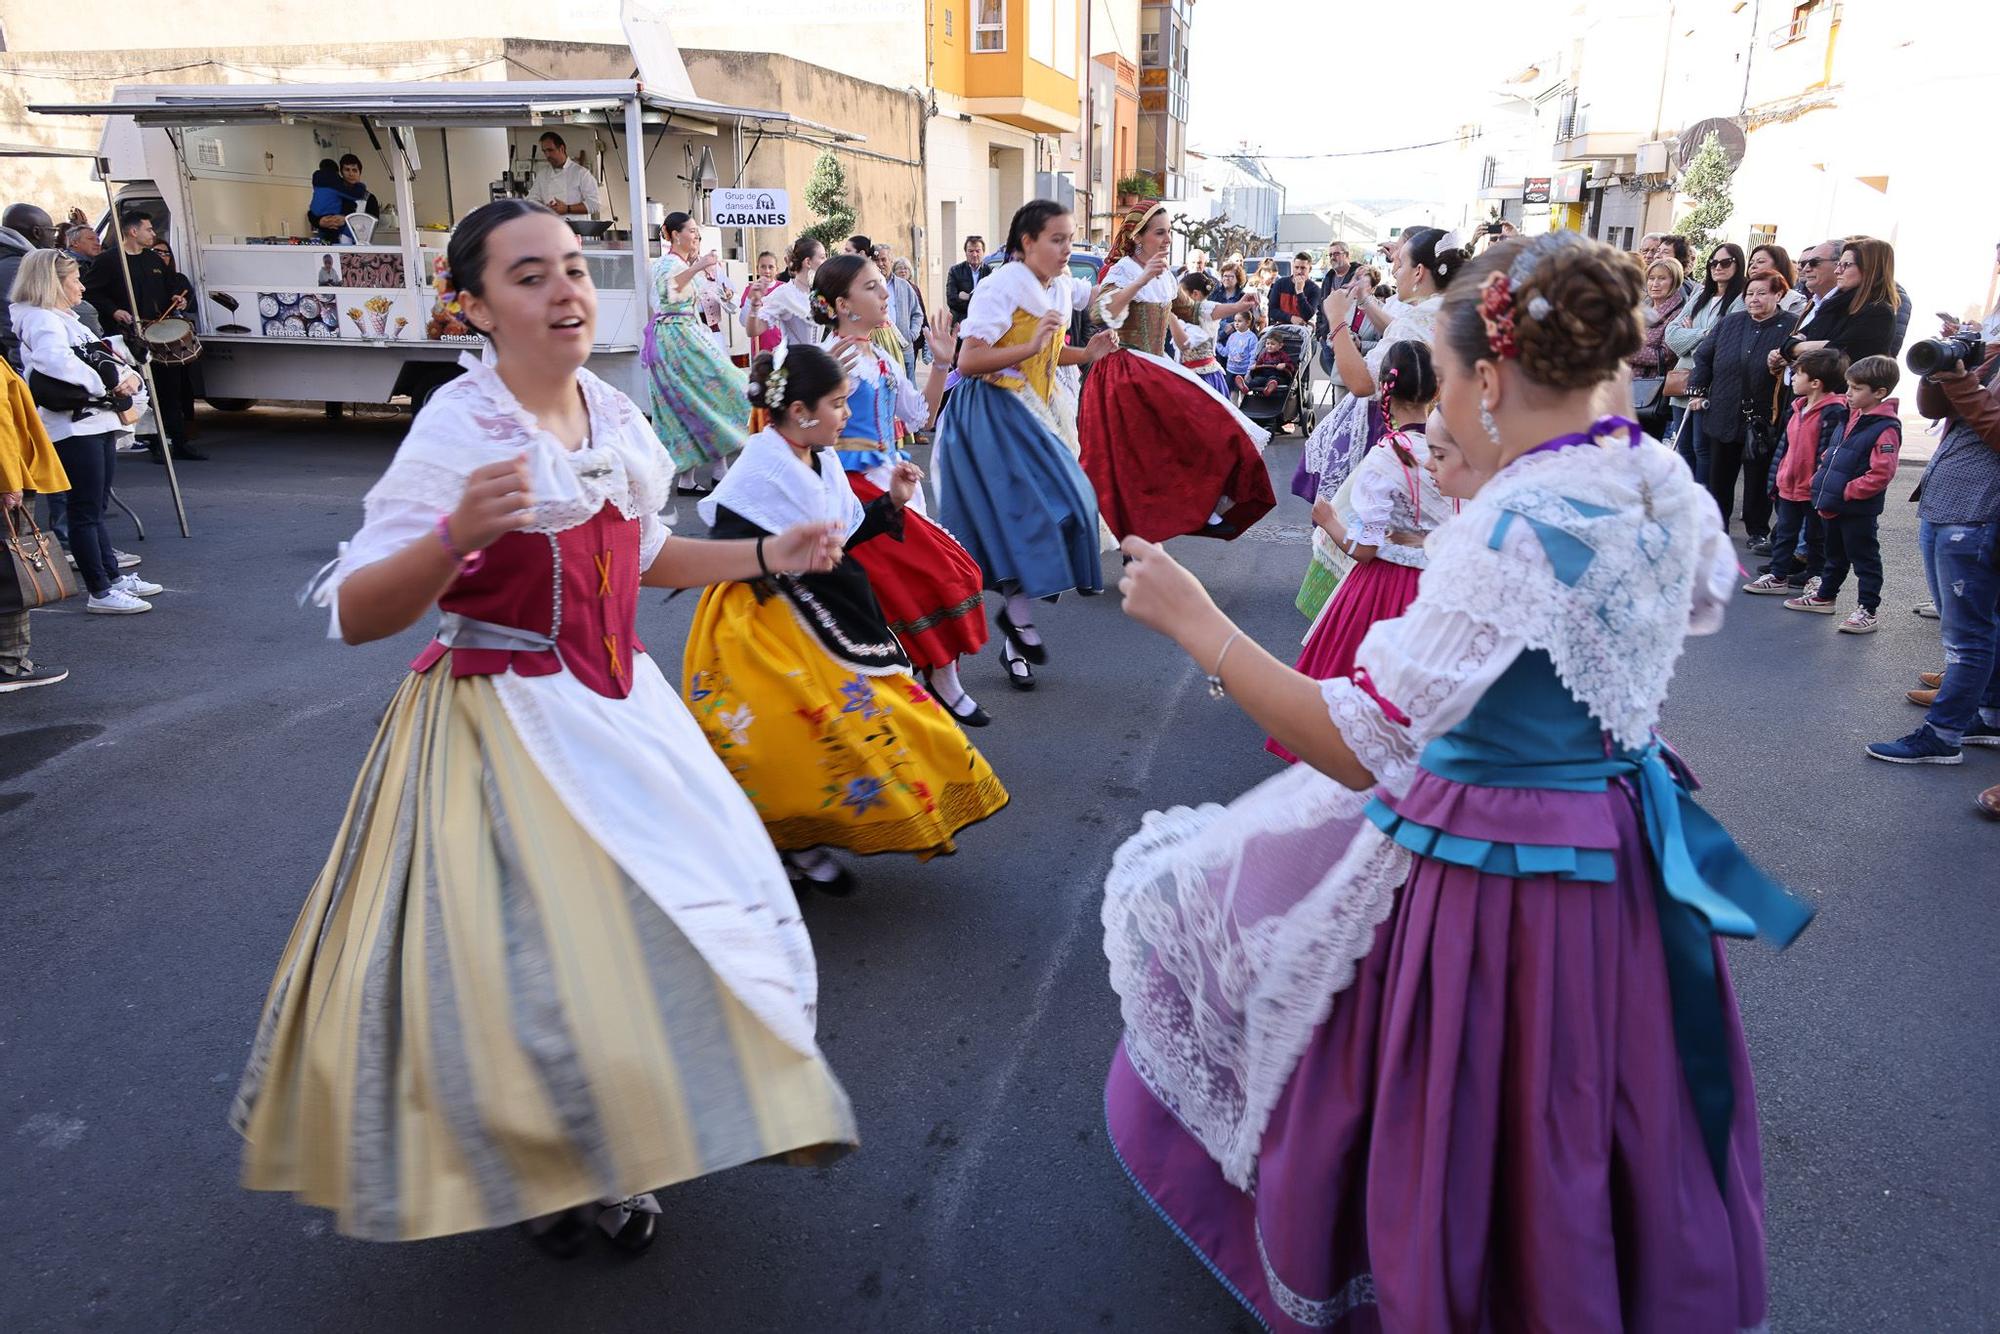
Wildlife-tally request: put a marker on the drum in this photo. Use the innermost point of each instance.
(172, 342)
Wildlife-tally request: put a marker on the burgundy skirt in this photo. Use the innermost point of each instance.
(1163, 452)
(1376, 590)
(929, 587)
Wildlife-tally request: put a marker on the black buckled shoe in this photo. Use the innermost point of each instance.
(1038, 654)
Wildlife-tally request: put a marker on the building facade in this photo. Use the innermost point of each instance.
(1163, 94)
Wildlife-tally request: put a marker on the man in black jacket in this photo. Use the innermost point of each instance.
(958, 284)
(1742, 402)
(157, 288)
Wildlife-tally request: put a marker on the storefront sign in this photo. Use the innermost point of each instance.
(1535, 190)
(1568, 187)
(750, 208)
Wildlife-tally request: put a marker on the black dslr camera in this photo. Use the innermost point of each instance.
(1932, 355)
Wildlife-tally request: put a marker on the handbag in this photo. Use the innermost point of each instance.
(1676, 383)
(1646, 392)
(37, 573)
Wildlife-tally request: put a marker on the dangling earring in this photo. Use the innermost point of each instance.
(1487, 424)
(808, 423)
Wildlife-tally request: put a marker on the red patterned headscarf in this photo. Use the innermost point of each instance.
(1129, 227)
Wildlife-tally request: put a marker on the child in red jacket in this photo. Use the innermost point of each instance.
(1820, 381)
(1848, 487)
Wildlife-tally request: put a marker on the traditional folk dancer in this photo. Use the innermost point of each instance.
(1198, 318)
(797, 680)
(1379, 520)
(1169, 456)
(1008, 488)
(788, 306)
(1424, 266)
(1525, 1101)
(540, 837)
(929, 588)
(697, 394)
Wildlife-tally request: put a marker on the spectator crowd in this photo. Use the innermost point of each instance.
(1775, 378)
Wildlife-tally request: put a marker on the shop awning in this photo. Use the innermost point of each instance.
(497, 104)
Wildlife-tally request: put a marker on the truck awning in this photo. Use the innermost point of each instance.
(497, 104)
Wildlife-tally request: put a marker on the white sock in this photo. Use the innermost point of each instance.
(945, 684)
(815, 864)
(1021, 611)
(720, 470)
(1216, 517)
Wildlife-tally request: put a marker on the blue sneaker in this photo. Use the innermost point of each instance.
(1922, 746)
(1981, 734)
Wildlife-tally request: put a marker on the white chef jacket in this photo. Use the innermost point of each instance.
(568, 184)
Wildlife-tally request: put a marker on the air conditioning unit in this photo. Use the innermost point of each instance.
(1652, 160)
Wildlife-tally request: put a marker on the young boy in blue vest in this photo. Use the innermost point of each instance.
(1849, 486)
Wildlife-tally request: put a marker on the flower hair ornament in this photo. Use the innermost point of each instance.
(1496, 310)
(822, 308)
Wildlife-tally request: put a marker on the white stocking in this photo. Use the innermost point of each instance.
(1021, 611)
(945, 684)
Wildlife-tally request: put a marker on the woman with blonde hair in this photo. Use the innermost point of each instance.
(55, 343)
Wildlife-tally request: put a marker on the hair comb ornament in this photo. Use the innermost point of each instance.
(774, 383)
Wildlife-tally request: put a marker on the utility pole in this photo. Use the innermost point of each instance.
(1089, 103)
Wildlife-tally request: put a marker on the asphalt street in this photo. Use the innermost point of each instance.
(163, 813)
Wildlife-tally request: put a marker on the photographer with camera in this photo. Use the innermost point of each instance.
(56, 348)
(1958, 532)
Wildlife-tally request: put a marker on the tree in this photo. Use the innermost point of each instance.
(826, 195)
(1218, 235)
(1705, 181)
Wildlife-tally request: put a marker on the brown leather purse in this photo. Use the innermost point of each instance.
(36, 572)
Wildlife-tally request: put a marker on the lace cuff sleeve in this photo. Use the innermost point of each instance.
(1430, 667)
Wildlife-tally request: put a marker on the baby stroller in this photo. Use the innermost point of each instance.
(1276, 395)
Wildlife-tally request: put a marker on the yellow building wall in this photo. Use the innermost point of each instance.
(947, 52)
(1008, 73)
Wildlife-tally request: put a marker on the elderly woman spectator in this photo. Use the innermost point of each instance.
(28, 464)
(46, 292)
(1740, 401)
(1654, 359)
(906, 310)
(1776, 259)
(1720, 295)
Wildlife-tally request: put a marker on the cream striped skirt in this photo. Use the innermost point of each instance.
(480, 1018)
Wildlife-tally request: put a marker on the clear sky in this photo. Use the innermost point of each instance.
(1315, 76)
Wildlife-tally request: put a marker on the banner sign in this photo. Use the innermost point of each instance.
(749, 208)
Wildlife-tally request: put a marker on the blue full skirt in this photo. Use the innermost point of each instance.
(1011, 492)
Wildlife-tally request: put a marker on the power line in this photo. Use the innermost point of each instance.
(1309, 157)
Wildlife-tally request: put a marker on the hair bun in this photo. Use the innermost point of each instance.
(1577, 314)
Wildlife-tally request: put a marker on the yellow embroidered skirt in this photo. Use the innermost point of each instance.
(481, 1019)
(829, 756)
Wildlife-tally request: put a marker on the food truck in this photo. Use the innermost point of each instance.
(227, 171)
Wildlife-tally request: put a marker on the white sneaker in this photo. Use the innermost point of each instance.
(117, 602)
(126, 560)
(137, 587)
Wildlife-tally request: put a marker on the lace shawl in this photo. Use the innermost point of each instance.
(475, 420)
(1332, 450)
(770, 487)
(1381, 503)
(1230, 930)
